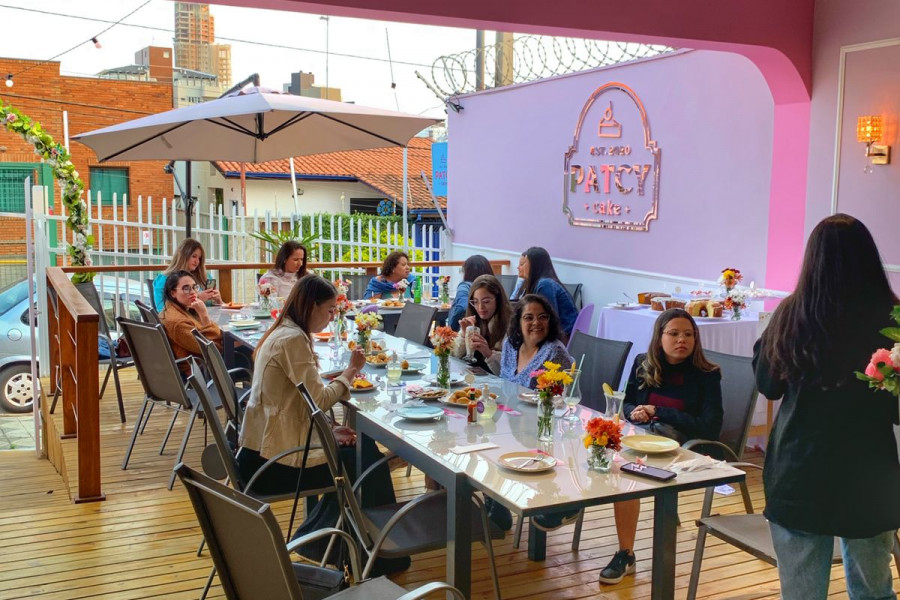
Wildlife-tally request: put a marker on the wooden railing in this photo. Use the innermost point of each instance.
(226, 269)
(72, 325)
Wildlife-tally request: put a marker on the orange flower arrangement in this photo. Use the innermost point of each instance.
(603, 433)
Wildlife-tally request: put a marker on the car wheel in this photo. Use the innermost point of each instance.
(16, 389)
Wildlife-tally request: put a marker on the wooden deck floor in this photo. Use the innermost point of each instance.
(141, 542)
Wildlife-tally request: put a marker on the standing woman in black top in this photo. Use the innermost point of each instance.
(831, 465)
(674, 391)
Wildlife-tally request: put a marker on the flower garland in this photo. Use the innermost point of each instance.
(72, 187)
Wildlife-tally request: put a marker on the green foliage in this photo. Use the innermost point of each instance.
(892, 333)
(274, 240)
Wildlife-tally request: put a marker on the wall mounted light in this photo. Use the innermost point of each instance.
(9, 80)
(97, 43)
(870, 131)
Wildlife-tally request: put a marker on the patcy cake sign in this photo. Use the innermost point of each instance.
(611, 177)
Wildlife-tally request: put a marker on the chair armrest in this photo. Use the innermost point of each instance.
(690, 444)
(240, 375)
(397, 516)
(744, 464)
(273, 460)
(428, 588)
(328, 532)
(371, 468)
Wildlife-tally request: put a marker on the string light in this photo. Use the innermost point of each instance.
(97, 44)
(9, 80)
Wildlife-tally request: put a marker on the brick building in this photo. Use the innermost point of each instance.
(42, 93)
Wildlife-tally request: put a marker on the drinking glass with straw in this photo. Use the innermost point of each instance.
(572, 393)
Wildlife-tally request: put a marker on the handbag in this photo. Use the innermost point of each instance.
(122, 348)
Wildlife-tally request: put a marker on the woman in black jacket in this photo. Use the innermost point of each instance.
(674, 391)
(831, 465)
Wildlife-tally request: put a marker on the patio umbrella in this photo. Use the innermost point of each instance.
(254, 125)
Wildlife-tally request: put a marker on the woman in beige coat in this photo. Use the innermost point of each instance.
(277, 419)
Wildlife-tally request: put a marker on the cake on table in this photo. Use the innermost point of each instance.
(704, 308)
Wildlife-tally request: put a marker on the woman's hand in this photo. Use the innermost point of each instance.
(213, 295)
(357, 362)
(643, 413)
(344, 436)
(466, 322)
(479, 344)
(200, 308)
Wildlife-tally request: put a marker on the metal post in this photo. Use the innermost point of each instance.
(405, 185)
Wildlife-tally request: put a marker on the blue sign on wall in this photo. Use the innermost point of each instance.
(439, 168)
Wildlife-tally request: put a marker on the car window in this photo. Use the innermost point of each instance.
(13, 295)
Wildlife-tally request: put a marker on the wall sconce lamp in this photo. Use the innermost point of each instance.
(869, 130)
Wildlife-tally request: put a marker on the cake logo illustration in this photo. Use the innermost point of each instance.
(611, 179)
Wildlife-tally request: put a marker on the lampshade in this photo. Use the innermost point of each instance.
(868, 129)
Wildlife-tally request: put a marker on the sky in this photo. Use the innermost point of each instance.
(40, 36)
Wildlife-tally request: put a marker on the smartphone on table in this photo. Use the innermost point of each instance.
(647, 471)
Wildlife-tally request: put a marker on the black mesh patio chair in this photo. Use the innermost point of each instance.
(226, 380)
(232, 522)
(151, 297)
(604, 362)
(162, 383)
(394, 530)
(148, 313)
(575, 291)
(219, 461)
(415, 323)
(509, 283)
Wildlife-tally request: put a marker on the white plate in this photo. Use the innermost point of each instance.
(650, 444)
(377, 365)
(354, 390)
(245, 324)
(414, 367)
(420, 413)
(625, 306)
(527, 462)
(418, 394)
(455, 380)
(529, 397)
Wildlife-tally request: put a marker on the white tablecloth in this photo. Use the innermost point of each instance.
(636, 326)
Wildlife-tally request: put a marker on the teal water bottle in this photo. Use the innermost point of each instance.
(417, 290)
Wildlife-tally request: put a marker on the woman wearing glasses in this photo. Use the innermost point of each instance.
(489, 311)
(673, 391)
(475, 266)
(184, 311)
(189, 256)
(533, 339)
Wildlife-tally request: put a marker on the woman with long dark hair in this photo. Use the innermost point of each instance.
(489, 311)
(289, 268)
(183, 312)
(673, 390)
(388, 284)
(540, 278)
(831, 465)
(475, 266)
(188, 256)
(533, 338)
(276, 418)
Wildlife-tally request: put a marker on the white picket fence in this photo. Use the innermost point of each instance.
(154, 234)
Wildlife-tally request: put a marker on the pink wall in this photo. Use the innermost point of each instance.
(712, 116)
(871, 87)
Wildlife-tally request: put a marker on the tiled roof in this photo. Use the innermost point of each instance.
(380, 168)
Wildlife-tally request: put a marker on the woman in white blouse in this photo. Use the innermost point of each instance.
(290, 267)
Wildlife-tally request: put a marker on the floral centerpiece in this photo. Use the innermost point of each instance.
(603, 439)
(401, 286)
(883, 370)
(365, 323)
(729, 278)
(736, 301)
(267, 291)
(444, 289)
(342, 307)
(550, 382)
(443, 339)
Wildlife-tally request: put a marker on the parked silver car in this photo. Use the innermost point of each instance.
(16, 386)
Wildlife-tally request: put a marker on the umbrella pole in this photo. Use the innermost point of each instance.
(405, 184)
(189, 201)
(294, 184)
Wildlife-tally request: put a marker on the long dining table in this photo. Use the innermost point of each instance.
(443, 450)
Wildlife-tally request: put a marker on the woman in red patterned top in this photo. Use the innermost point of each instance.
(672, 391)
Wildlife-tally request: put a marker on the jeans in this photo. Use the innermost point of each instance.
(804, 564)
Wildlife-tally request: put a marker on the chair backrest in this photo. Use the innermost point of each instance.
(218, 372)
(89, 291)
(415, 322)
(575, 290)
(232, 523)
(150, 293)
(198, 384)
(509, 283)
(582, 321)
(155, 362)
(358, 285)
(148, 314)
(349, 506)
(604, 362)
(738, 398)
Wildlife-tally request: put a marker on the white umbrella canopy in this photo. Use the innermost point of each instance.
(254, 125)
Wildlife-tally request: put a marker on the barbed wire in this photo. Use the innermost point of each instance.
(530, 58)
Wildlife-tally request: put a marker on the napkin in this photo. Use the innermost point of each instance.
(701, 463)
(473, 448)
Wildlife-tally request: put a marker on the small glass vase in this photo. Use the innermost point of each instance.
(545, 419)
(735, 313)
(265, 303)
(337, 330)
(442, 379)
(600, 458)
(362, 339)
(444, 297)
